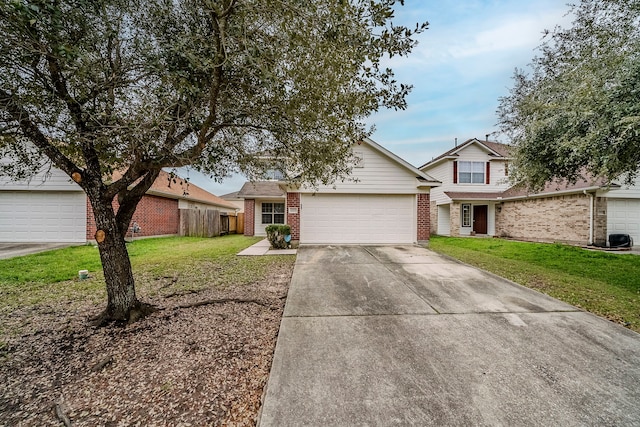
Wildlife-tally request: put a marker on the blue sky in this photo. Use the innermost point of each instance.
(462, 65)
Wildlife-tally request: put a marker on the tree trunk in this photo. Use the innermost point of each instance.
(122, 304)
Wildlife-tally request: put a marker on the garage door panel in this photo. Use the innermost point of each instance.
(39, 216)
(357, 219)
(623, 217)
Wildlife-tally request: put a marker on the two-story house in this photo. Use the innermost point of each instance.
(384, 201)
(473, 176)
(476, 198)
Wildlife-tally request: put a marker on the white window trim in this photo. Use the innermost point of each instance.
(471, 164)
(462, 215)
(273, 213)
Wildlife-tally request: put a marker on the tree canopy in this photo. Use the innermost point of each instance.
(98, 86)
(578, 110)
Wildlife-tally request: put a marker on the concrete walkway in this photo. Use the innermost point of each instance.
(263, 247)
(396, 336)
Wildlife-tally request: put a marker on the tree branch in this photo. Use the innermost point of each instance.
(130, 199)
(9, 104)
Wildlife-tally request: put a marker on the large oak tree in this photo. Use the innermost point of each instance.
(578, 109)
(133, 86)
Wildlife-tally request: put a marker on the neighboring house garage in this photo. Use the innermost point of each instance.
(52, 208)
(47, 208)
(42, 216)
(623, 217)
(385, 201)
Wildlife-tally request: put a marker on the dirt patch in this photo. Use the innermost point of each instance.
(200, 365)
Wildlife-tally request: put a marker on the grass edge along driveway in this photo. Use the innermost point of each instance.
(606, 284)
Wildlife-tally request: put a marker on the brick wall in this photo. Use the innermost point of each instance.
(293, 219)
(249, 217)
(550, 219)
(156, 216)
(424, 218)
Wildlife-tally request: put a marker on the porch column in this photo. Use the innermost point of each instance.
(293, 214)
(423, 216)
(249, 217)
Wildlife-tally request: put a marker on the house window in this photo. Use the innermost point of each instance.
(273, 213)
(274, 175)
(466, 215)
(506, 169)
(471, 172)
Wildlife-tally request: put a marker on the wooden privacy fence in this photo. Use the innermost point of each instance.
(209, 223)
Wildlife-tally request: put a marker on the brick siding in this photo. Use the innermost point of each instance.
(433, 214)
(293, 219)
(156, 216)
(249, 217)
(550, 219)
(424, 218)
(454, 219)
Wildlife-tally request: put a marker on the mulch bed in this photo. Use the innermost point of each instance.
(203, 359)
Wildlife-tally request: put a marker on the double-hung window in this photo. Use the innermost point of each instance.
(272, 213)
(471, 172)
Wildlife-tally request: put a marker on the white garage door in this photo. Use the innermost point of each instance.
(623, 217)
(356, 219)
(42, 216)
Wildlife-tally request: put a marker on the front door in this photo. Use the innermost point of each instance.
(480, 219)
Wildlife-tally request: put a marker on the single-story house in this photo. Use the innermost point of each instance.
(50, 207)
(385, 201)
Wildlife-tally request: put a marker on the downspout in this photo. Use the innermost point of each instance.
(591, 201)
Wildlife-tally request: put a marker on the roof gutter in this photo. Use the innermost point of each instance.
(552, 194)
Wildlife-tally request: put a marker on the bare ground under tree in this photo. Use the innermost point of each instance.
(202, 359)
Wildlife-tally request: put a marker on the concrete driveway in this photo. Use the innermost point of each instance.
(394, 336)
(11, 250)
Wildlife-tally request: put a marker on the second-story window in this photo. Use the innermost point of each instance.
(471, 172)
(273, 175)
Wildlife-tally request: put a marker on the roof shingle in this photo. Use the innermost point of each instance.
(261, 189)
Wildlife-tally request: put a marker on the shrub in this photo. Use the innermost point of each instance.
(276, 233)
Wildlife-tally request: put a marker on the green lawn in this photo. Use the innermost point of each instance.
(607, 284)
(195, 263)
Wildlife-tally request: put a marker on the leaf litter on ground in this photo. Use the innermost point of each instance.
(184, 365)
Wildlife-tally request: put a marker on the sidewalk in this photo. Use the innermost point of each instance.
(264, 248)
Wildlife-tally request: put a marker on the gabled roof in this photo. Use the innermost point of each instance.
(422, 176)
(261, 189)
(178, 188)
(230, 196)
(495, 149)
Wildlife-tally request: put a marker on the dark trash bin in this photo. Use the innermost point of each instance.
(620, 241)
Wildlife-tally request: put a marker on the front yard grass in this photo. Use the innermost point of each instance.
(605, 284)
(188, 263)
